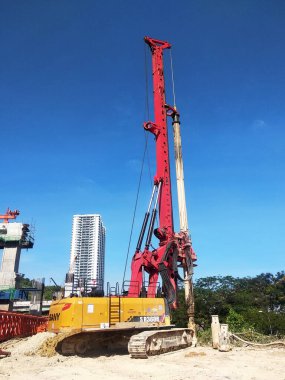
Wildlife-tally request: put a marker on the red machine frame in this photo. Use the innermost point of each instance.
(175, 249)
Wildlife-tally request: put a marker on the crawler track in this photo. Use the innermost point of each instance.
(148, 343)
(140, 345)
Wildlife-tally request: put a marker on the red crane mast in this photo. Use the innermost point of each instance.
(159, 129)
(175, 249)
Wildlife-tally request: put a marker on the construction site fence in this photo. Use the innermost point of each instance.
(20, 325)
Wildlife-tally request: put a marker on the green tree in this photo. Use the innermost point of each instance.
(49, 291)
(25, 282)
(179, 316)
(236, 322)
(258, 301)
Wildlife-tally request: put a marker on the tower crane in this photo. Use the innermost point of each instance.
(9, 215)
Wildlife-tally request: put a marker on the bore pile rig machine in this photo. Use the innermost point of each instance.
(139, 316)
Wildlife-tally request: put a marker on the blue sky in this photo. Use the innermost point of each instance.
(72, 103)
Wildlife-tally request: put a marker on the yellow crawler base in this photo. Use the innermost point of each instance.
(89, 323)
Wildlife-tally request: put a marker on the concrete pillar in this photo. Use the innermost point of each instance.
(224, 339)
(10, 266)
(215, 327)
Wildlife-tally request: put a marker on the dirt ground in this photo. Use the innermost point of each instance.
(192, 363)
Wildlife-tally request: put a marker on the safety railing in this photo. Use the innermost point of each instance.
(127, 285)
(113, 290)
(20, 325)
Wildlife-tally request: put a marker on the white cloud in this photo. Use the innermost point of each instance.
(259, 124)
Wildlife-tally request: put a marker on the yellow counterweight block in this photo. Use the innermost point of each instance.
(88, 313)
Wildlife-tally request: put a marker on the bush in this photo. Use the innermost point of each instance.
(204, 337)
(237, 322)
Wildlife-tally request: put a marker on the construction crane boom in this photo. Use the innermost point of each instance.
(9, 215)
(159, 129)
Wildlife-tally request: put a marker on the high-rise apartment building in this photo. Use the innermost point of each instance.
(87, 256)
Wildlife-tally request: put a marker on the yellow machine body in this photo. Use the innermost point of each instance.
(79, 314)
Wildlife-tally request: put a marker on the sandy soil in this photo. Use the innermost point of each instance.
(192, 363)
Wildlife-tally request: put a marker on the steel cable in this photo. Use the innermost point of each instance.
(145, 153)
